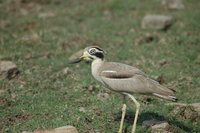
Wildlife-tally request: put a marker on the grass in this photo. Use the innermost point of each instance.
(39, 36)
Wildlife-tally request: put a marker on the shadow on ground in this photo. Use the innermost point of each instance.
(129, 118)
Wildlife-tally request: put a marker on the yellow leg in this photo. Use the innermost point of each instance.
(136, 113)
(122, 119)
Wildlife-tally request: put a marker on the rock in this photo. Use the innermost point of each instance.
(64, 129)
(103, 96)
(186, 111)
(91, 88)
(196, 106)
(161, 128)
(173, 4)
(150, 123)
(158, 126)
(8, 70)
(158, 22)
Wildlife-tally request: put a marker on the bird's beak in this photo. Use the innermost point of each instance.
(85, 57)
(77, 60)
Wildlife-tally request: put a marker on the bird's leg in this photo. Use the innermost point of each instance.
(122, 119)
(136, 113)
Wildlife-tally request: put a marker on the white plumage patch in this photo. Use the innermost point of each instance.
(165, 97)
(109, 71)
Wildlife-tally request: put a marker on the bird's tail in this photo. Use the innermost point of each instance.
(167, 97)
(163, 92)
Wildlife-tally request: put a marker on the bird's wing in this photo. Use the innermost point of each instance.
(119, 71)
(124, 78)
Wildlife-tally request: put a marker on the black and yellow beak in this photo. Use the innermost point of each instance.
(77, 60)
(85, 56)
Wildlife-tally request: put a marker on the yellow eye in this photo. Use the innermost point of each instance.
(92, 51)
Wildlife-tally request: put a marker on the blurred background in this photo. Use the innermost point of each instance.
(40, 90)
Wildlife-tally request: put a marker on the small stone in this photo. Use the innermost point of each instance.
(66, 71)
(8, 70)
(162, 125)
(103, 96)
(66, 129)
(158, 22)
(98, 131)
(91, 88)
(161, 128)
(186, 111)
(150, 123)
(158, 126)
(82, 109)
(173, 4)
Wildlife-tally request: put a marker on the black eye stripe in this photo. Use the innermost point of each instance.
(95, 51)
(99, 54)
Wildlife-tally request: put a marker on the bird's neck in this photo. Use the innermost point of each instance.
(96, 64)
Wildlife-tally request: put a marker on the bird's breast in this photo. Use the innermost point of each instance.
(95, 70)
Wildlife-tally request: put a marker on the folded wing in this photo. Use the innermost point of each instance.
(124, 78)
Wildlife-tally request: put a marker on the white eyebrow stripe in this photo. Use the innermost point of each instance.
(97, 50)
(100, 51)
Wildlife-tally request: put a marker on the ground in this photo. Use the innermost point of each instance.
(40, 35)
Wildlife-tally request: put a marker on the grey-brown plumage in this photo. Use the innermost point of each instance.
(124, 79)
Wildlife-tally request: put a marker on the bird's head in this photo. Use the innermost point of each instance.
(90, 54)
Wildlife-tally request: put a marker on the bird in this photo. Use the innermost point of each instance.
(124, 79)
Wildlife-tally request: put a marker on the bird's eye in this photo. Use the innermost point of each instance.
(92, 51)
